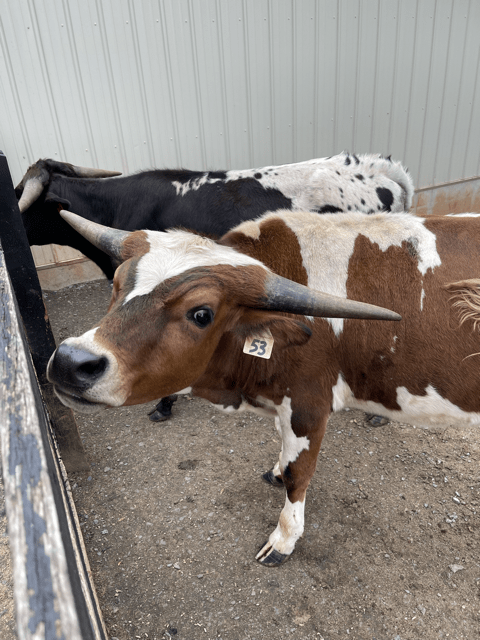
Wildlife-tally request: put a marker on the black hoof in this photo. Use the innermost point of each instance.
(376, 421)
(272, 559)
(163, 410)
(156, 416)
(269, 477)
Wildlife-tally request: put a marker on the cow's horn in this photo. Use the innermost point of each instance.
(31, 192)
(285, 295)
(105, 238)
(87, 172)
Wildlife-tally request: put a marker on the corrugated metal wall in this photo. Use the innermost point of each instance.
(130, 84)
(134, 84)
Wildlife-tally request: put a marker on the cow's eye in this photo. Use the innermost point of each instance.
(201, 317)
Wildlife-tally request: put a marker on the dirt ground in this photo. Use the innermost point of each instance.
(173, 514)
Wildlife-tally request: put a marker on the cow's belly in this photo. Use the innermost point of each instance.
(262, 407)
(427, 410)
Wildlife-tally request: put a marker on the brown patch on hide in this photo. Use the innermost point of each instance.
(277, 247)
(425, 347)
(135, 245)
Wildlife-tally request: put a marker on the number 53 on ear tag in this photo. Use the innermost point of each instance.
(260, 344)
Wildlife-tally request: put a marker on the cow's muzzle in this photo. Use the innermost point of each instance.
(76, 368)
(73, 372)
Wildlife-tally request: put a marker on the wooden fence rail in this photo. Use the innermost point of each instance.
(54, 595)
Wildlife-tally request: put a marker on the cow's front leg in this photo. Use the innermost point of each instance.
(297, 463)
(274, 476)
(163, 409)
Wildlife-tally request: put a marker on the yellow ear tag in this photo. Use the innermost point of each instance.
(259, 345)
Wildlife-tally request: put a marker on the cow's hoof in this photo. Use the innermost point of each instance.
(270, 557)
(269, 477)
(376, 421)
(163, 410)
(156, 416)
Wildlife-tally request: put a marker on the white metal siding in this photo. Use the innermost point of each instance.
(132, 84)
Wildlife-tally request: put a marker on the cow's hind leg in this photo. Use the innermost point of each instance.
(163, 410)
(297, 463)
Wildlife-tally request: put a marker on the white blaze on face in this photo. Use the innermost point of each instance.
(174, 252)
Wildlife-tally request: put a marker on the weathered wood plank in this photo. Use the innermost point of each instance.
(24, 278)
(53, 593)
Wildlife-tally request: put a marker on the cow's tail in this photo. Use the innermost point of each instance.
(466, 299)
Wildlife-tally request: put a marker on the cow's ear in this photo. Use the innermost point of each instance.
(58, 202)
(287, 332)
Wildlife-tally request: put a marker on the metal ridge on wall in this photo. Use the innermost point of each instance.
(209, 85)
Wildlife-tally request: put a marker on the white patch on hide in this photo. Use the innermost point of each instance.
(194, 184)
(276, 469)
(292, 445)
(183, 391)
(392, 348)
(251, 228)
(428, 410)
(312, 184)
(463, 215)
(422, 298)
(341, 392)
(174, 252)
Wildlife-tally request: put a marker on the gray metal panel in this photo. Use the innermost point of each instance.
(127, 85)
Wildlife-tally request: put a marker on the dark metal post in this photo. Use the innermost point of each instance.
(24, 278)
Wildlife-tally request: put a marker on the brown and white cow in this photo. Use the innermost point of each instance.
(183, 307)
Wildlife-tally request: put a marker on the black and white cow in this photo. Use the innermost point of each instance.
(209, 202)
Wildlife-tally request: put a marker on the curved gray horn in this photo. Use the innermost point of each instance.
(31, 192)
(105, 238)
(86, 172)
(285, 295)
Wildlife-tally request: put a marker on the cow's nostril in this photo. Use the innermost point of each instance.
(92, 369)
(75, 368)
